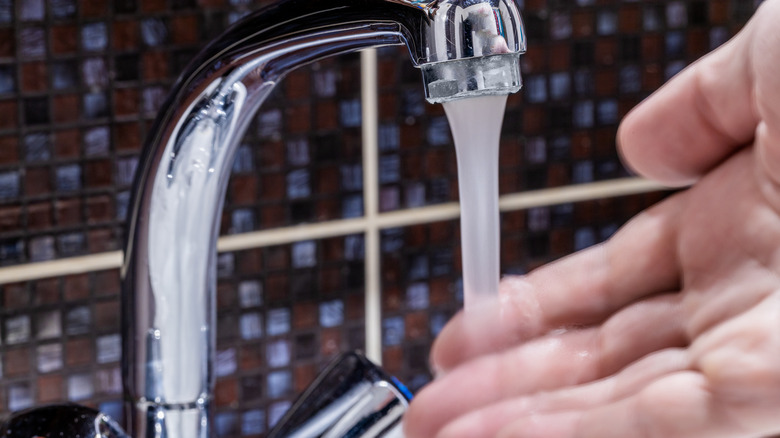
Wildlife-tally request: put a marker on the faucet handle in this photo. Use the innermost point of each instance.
(352, 397)
(67, 420)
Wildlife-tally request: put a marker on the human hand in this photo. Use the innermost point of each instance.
(671, 329)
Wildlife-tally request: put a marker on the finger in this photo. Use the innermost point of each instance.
(696, 120)
(679, 405)
(488, 421)
(639, 260)
(550, 363)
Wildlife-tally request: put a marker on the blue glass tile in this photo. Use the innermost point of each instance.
(438, 321)
(250, 293)
(108, 381)
(94, 72)
(109, 348)
(225, 362)
(279, 384)
(305, 346)
(418, 267)
(7, 79)
(392, 240)
(269, 124)
(17, 329)
(560, 85)
(676, 14)
(236, 15)
(304, 254)
(78, 320)
(244, 160)
(582, 114)
(560, 25)
(122, 204)
(242, 220)
(354, 247)
(536, 150)
(298, 152)
(226, 424)
(276, 411)
(412, 103)
(96, 142)
(125, 170)
(6, 11)
(389, 137)
(278, 322)
(607, 231)
(11, 251)
(80, 387)
(718, 36)
(152, 99)
(536, 89)
(251, 326)
(350, 113)
(94, 36)
(253, 422)
(154, 32)
(277, 353)
(538, 219)
(438, 133)
(352, 206)
(673, 68)
(441, 262)
(608, 112)
(325, 83)
(32, 10)
(42, 248)
(582, 172)
(630, 79)
(414, 193)
(389, 199)
(68, 178)
(226, 265)
(113, 409)
(389, 169)
(351, 177)
(36, 147)
(95, 105)
(606, 22)
(298, 184)
(583, 82)
(48, 325)
(675, 44)
(71, 244)
(62, 8)
(20, 396)
(459, 290)
(36, 111)
(63, 75)
(49, 358)
(563, 215)
(651, 18)
(332, 313)
(583, 238)
(417, 296)
(392, 331)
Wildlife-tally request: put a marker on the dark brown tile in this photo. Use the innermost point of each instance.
(155, 66)
(226, 392)
(92, 8)
(50, 389)
(17, 362)
(127, 136)
(298, 118)
(153, 5)
(46, 291)
(64, 39)
(125, 34)
(304, 315)
(107, 316)
(330, 342)
(184, 29)
(9, 149)
(243, 189)
(7, 43)
(250, 261)
(66, 108)
(126, 102)
(15, 296)
(79, 352)
(76, 287)
(37, 181)
(68, 212)
(297, 85)
(102, 240)
(327, 115)
(67, 143)
(39, 216)
(11, 218)
(98, 173)
(9, 118)
(303, 375)
(106, 282)
(33, 77)
(99, 209)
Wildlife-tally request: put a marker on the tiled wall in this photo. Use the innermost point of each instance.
(80, 80)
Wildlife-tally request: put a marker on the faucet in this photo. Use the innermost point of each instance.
(464, 48)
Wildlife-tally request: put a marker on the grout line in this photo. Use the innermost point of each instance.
(279, 236)
(371, 252)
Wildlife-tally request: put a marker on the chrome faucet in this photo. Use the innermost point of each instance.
(464, 48)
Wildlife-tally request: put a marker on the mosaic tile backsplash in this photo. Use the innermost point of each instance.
(81, 80)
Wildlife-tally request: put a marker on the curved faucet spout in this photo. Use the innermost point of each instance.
(464, 48)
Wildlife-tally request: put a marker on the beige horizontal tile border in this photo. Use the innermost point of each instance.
(518, 201)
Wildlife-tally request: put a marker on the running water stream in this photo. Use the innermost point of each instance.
(476, 130)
